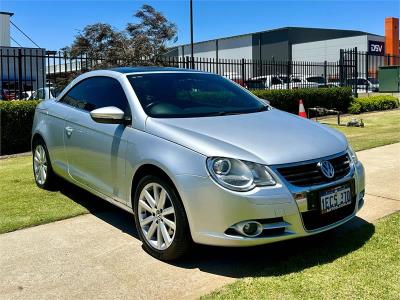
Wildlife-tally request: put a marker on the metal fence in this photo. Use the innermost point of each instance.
(36, 73)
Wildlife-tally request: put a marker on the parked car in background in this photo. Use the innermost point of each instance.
(280, 81)
(299, 81)
(44, 93)
(267, 82)
(7, 95)
(183, 151)
(234, 76)
(364, 84)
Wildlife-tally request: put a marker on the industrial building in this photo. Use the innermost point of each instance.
(294, 43)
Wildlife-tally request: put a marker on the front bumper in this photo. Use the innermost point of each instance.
(212, 209)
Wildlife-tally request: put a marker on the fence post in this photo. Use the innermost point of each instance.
(341, 71)
(325, 72)
(288, 72)
(356, 70)
(243, 72)
(187, 62)
(366, 71)
(20, 74)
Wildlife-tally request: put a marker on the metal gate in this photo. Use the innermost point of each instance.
(348, 69)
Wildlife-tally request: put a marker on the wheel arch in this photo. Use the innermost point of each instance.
(149, 169)
(36, 137)
(155, 170)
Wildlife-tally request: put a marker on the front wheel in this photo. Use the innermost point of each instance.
(160, 219)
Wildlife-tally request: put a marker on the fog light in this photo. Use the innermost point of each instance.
(249, 228)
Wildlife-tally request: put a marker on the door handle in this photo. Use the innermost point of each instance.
(69, 130)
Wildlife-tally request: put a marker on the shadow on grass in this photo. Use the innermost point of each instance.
(268, 260)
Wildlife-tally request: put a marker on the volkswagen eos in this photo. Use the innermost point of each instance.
(195, 158)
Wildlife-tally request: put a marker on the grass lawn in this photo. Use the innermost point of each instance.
(381, 128)
(329, 270)
(23, 204)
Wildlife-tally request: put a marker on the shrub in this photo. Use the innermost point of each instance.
(16, 119)
(380, 102)
(288, 100)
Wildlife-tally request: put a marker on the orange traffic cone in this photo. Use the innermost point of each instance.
(302, 111)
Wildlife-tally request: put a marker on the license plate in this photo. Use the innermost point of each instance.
(335, 198)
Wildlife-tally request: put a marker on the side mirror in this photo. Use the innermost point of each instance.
(108, 115)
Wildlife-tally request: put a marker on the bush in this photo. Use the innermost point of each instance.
(16, 119)
(380, 102)
(288, 100)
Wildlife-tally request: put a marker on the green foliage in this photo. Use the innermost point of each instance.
(288, 100)
(16, 119)
(146, 39)
(380, 102)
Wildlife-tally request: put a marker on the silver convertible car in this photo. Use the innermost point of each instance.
(196, 158)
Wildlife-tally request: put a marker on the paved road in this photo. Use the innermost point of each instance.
(99, 256)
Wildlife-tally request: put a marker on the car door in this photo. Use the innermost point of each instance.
(96, 151)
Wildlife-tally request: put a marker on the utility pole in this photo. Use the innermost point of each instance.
(191, 34)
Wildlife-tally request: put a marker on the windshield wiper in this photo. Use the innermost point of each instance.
(228, 113)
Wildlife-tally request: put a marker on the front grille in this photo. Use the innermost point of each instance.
(309, 174)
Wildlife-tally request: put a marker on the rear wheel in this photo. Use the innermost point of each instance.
(160, 219)
(42, 170)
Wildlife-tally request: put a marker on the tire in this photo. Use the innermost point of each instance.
(41, 162)
(158, 221)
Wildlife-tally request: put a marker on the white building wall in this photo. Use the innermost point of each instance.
(328, 50)
(203, 50)
(236, 48)
(231, 48)
(4, 30)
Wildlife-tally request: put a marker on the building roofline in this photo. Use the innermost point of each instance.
(357, 33)
(6, 13)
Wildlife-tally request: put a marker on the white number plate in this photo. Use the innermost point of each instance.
(335, 198)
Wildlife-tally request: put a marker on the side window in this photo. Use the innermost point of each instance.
(97, 92)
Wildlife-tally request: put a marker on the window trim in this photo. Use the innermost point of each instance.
(85, 79)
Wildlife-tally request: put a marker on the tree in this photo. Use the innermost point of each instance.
(145, 40)
(148, 38)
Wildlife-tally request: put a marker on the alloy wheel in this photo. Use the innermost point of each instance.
(40, 165)
(156, 215)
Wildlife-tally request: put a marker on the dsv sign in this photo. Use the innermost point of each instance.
(377, 48)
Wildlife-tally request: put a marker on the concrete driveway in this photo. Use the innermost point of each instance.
(98, 256)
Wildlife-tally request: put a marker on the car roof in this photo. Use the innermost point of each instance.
(127, 70)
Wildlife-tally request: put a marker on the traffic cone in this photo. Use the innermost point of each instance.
(302, 111)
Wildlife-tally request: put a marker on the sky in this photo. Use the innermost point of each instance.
(53, 24)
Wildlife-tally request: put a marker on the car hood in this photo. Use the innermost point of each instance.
(269, 137)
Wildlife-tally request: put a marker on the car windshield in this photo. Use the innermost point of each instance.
(183, 94)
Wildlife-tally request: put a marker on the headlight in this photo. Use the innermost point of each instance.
(238, 175)
(352, 154)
